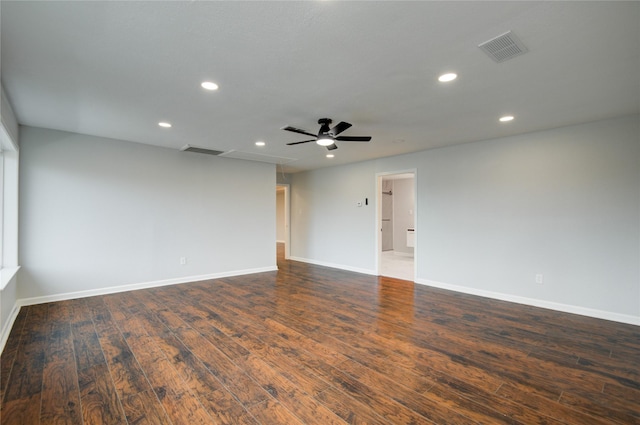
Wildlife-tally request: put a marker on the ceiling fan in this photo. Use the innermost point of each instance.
(326, 136)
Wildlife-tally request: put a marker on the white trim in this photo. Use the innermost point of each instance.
(279, 241)
(378, 234)
(599, 314)
(136, 286)
(115, 289)
(335, 266)
(6, 329)
(566, 308)
(7, 143)
(287, 219)
(6, 274)
(8, 124)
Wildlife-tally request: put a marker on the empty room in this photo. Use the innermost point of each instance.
(319, 212)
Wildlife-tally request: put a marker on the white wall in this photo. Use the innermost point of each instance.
(326, 225)
(492, 214)
(98, 213)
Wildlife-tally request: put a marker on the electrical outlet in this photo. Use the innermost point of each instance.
(539, 278)
(183, 261)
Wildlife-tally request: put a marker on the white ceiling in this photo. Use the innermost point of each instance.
(115, 69)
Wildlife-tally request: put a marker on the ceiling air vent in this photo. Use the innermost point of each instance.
(249, 156)
(503, 47)
(189, 148)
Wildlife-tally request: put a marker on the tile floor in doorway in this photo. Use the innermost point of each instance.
(398, 266)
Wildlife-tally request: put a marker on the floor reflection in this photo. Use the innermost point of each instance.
(394, 297)
(395, 306)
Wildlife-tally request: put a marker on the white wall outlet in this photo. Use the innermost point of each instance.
(183, 261)
(539, 278)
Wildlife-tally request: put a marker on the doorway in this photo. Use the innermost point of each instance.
(396, 225)
(283, 237)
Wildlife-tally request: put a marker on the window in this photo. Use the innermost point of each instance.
(1, 207)
(8, 206)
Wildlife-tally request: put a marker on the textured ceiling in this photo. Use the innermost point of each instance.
(115, 69)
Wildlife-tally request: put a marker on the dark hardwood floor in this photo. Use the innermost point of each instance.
(313, 345)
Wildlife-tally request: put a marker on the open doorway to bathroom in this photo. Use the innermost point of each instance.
(396, 225)
(283, 237)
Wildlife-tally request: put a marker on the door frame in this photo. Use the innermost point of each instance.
(287, 219)
(378, 229)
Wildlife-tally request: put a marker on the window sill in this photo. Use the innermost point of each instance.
(6, 274)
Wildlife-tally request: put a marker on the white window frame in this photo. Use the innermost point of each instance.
(9, 155)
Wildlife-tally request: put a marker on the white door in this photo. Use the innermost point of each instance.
(387, 215)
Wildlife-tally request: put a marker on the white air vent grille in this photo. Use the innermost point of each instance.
(189, 148)
(249, 156)
(503, 47)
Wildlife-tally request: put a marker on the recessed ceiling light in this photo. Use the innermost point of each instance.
(506, 118)
(164, 124)
(445, 78)
(208, 85)
(260, 143)
(330, 155)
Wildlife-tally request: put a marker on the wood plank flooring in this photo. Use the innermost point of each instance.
(313, 345)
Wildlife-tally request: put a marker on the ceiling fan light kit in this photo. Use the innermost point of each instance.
(327, 136)
(325, 141)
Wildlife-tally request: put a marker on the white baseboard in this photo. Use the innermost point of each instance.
(115, 289)
(136, 286)
(566, 308)
(334, 266)
(8, 325)
(583, 311)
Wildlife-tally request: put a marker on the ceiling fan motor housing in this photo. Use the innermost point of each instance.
(324, 126)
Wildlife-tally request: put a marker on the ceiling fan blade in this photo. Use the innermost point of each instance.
(354, 138)
(298, 130)
(304, 141)
(340, 127)
(332, 147)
